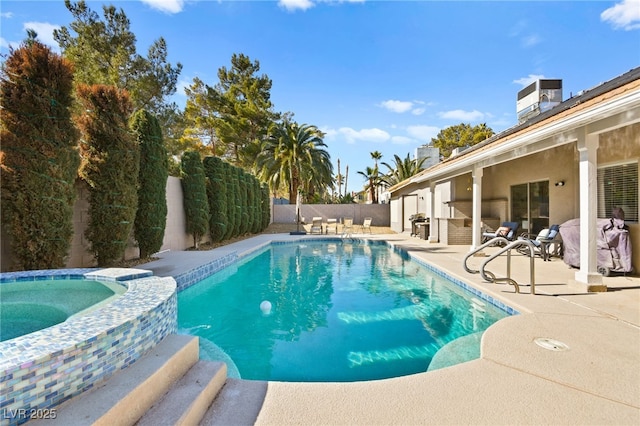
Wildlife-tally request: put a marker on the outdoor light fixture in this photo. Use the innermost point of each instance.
(560, 183)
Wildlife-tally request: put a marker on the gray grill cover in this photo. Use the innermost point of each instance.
(613, 244)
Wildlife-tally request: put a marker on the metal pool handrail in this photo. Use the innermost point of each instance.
(489, 276)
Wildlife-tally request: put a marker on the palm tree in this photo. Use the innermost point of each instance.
(293, 156)
(376, 155)
(373, 178)
(403, 169)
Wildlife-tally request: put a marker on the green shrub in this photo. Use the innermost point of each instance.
(110, 165)
(214, 169)
(39, 160)
(266, 205)
(195, 199)
(151, 216)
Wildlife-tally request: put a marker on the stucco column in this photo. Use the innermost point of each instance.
(476, 212)
(588, 167)
(433, 226)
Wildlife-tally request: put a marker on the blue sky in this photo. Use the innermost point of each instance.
(378, 75)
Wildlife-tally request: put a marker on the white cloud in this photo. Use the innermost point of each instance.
(458, 114)
(624, 15)
(182, 84)
(364, 135)
(166, 6)
(45, 32)
(423, 133)
(4, 43)
(292, 5)
(403, 106)
(6, 15)
(397, 106)
(525, 81)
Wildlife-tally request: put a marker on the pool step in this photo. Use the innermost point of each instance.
(188, 399)
(151, 384)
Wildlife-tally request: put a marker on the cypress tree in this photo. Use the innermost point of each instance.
(151, 216)
(39, 161)
(216, 193)
(266, 206)
(257, 202)
(110, 165)
(251, 203)
(244, 210)
(195, 199)
(237, 211)
(231, 200)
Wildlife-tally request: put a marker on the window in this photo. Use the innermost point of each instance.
(618, 187)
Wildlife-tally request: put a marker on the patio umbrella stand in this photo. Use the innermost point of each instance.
(298, 231)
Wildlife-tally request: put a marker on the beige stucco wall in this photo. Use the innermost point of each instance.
(557, 164)
(175, 237)
(286, 213)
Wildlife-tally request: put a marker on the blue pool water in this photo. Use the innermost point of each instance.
(341, 311)
(29, 306)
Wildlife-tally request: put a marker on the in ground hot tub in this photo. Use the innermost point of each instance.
(42, 369)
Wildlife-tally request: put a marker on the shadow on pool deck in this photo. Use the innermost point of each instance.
(516, 381)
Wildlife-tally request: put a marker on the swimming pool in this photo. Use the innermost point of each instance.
(28, 306)
(341, 310)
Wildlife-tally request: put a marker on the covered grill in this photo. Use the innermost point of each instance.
(613, 245)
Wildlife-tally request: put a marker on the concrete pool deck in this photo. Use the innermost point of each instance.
(515, 381)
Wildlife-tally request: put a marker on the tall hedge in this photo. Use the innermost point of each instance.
(251, 203)
(228, 173)
(266, 205)
(196, 202)
(110, 165)
(38, 159)
(217, 194)
(244, 204)
(257, 203)
(151, 216)
(237, 211)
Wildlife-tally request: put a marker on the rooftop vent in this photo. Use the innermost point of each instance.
(538, 97)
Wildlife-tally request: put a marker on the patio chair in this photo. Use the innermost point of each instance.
(542, 241)
(507, 230)
(347, 228)
(316, 225)
(366, 225)
(332, 224)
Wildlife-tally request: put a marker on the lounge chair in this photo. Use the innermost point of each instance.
(332, 224)
(542, 241)
(316, 225)
(366, 225)
(347, 228)
(507, 230)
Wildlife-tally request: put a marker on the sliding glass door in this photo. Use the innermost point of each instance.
(530, 206)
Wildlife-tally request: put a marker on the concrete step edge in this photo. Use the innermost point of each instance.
(124, 397)
(190, 397)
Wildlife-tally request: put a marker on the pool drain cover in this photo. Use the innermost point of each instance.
(550, 344)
